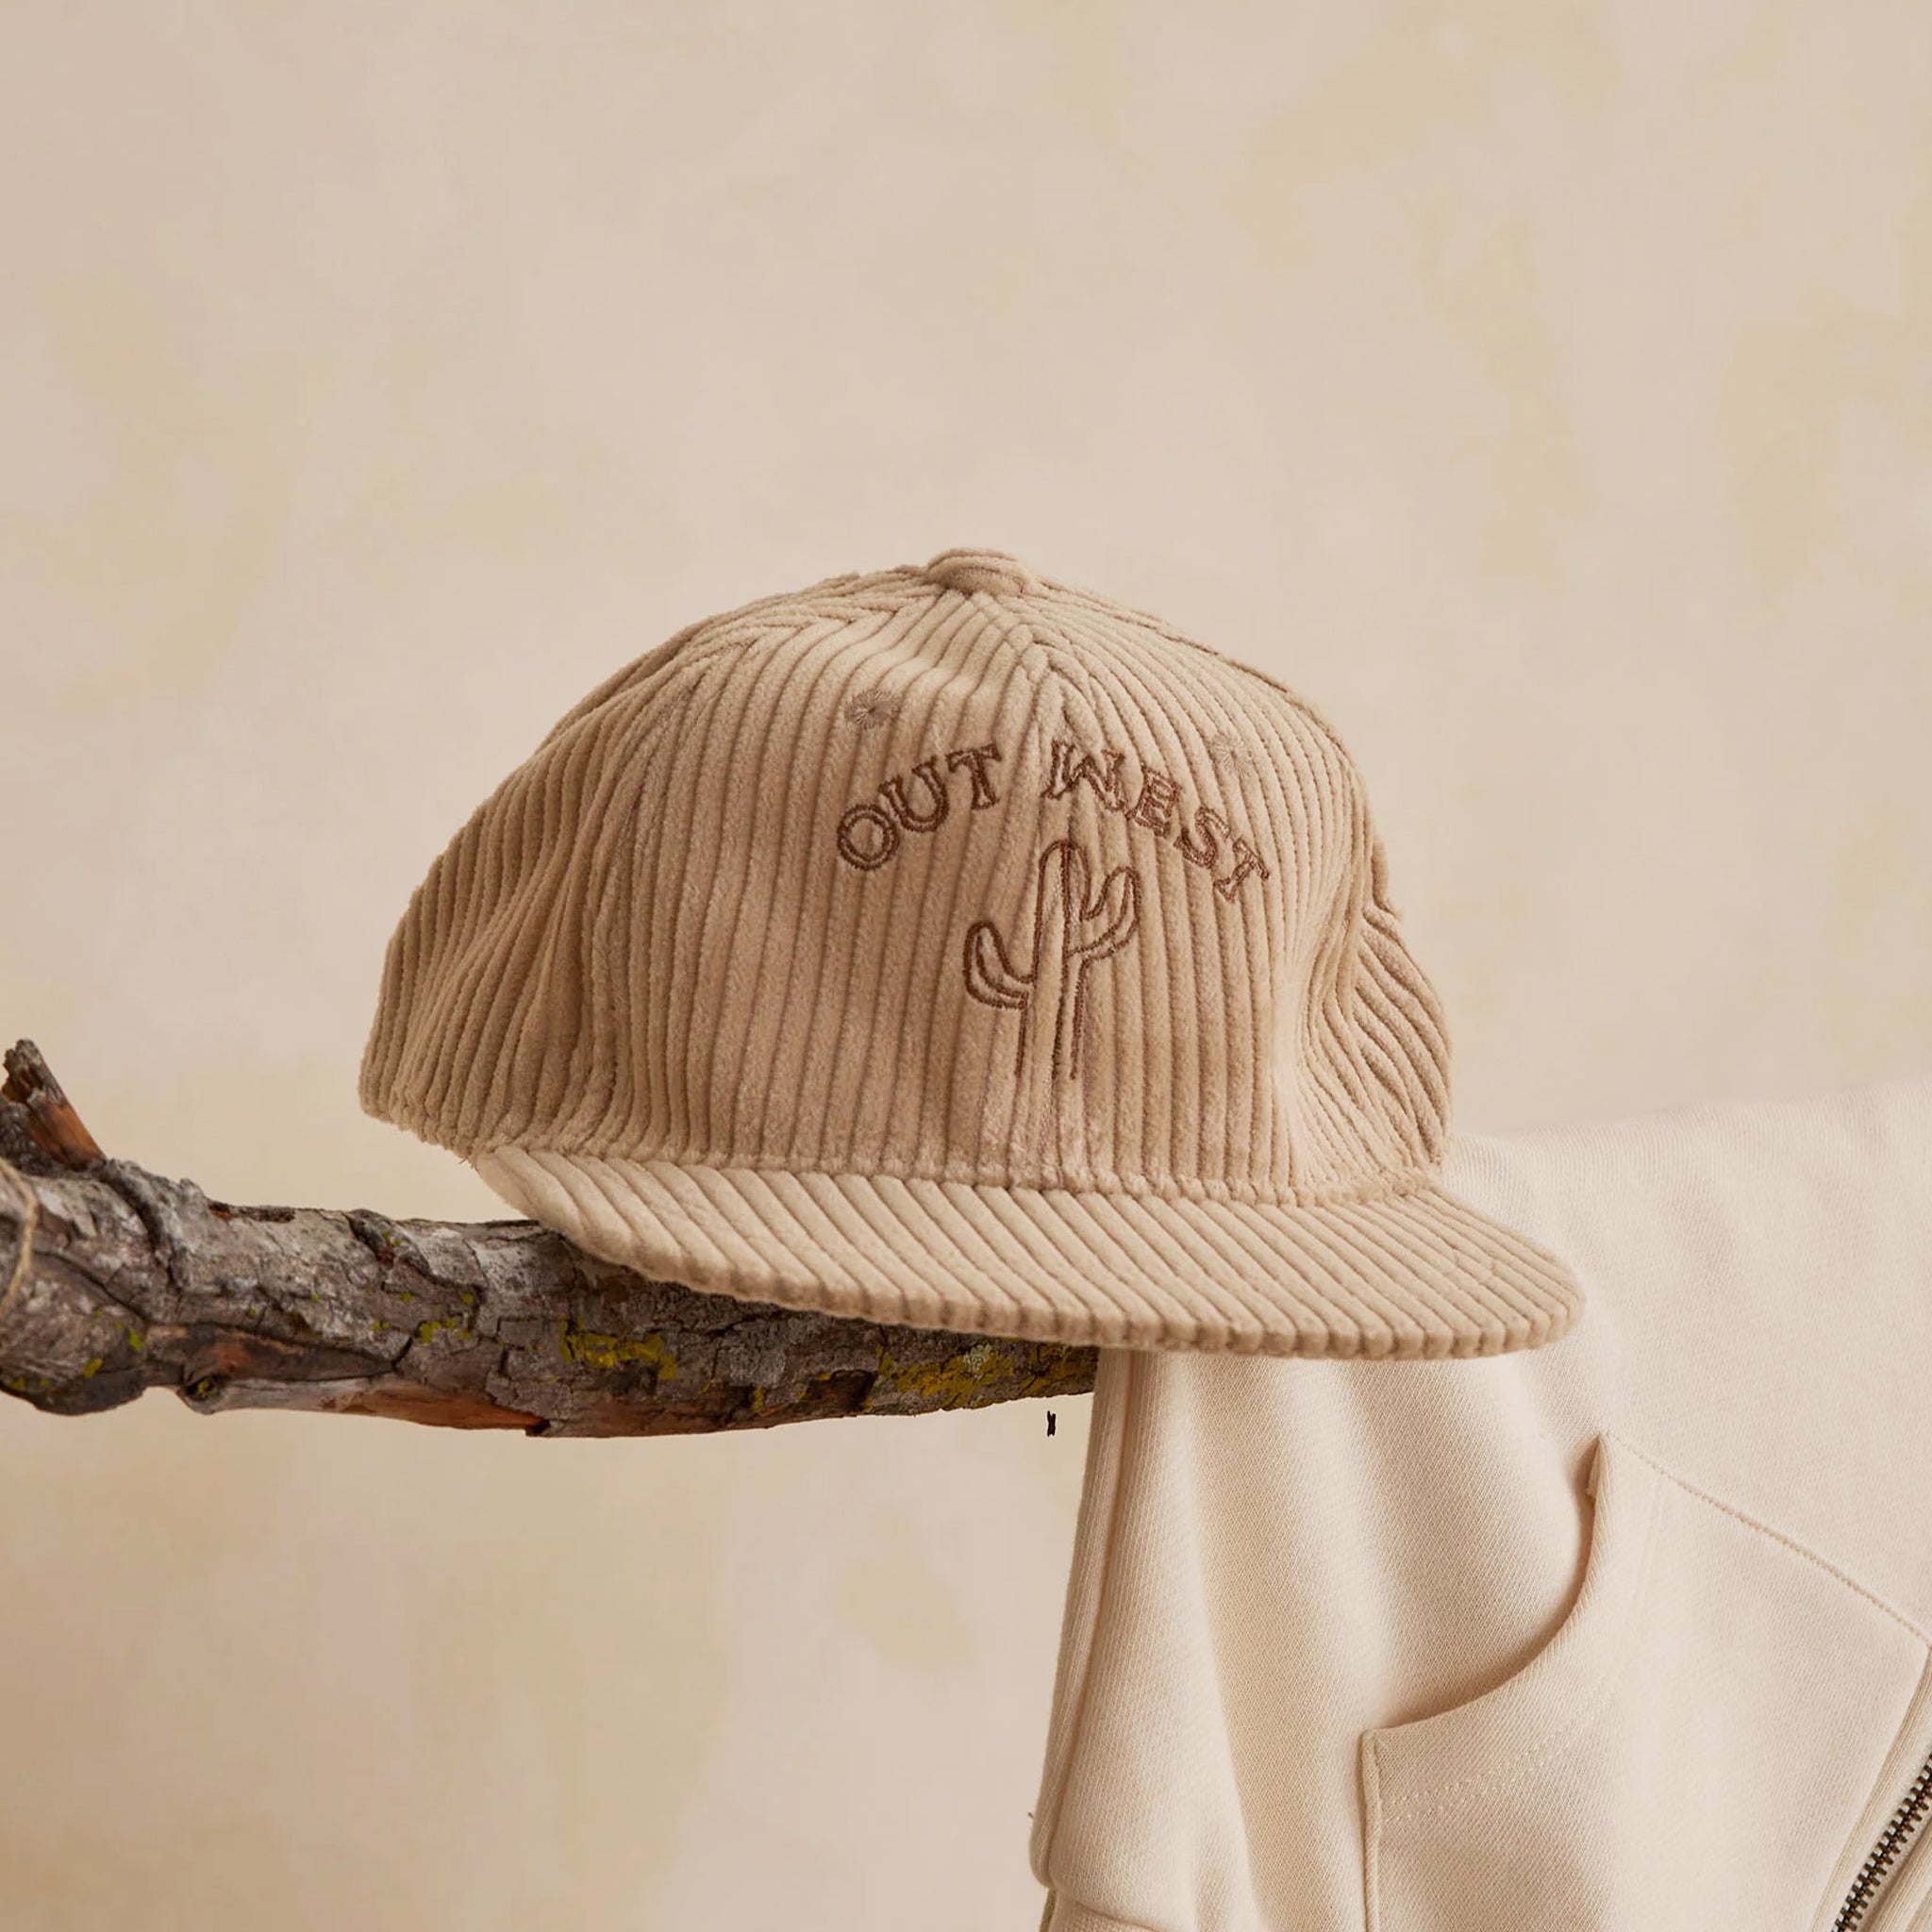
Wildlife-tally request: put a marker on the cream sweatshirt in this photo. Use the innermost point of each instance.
(1624, 1634)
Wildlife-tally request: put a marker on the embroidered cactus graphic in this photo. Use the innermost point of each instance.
(1070, 931)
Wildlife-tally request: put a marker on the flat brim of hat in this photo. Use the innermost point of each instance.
(1399, 1277)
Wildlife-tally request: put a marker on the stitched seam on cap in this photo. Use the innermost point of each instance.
(1241, 1193)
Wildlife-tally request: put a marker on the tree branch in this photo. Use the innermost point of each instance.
(113, 1281)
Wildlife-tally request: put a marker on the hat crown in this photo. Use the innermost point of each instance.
(951, 872)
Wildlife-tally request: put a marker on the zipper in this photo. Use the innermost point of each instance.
(1898, 1831)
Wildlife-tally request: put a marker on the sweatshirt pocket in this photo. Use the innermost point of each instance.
(1709, 1741)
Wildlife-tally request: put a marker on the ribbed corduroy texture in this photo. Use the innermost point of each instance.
(954, 947)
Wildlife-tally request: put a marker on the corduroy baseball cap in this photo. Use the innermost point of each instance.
(953, 946)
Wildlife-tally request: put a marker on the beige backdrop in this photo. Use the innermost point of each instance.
(1546, 388)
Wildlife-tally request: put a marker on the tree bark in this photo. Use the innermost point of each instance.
(114, 1281)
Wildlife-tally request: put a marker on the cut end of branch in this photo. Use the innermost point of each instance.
(48, 1115)
(113, 1280)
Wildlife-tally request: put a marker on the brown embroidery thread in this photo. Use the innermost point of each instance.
(870, 709)
(854, 854)
(975, 757)
(1065, 774)
(893, 793)
(1247, 860)
(1159, 805)
(1087, 930)
(869, 854)
(1155, 806)
(1208, 851)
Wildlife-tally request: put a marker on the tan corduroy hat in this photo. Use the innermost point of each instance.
(956, 947)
